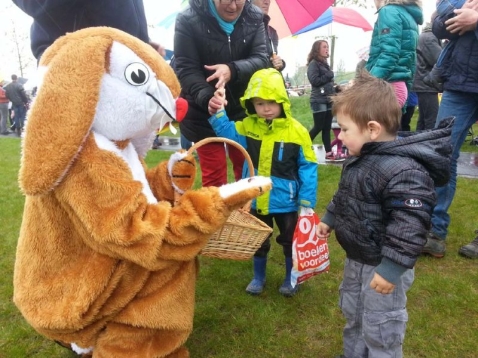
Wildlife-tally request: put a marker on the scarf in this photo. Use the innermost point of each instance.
(227, 27)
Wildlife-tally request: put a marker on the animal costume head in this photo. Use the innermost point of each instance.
(105, 264)
(104, 81)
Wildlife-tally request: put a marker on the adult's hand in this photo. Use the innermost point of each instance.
(160, 49)
(277, 62)
(465, 20)
(222, 74)
(471, 4)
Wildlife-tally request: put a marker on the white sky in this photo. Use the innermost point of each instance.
(293, 50)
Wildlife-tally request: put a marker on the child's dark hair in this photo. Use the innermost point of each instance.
(369, 99)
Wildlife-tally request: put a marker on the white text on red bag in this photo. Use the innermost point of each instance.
(310, 254)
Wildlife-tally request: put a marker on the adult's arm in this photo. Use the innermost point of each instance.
(189, 68)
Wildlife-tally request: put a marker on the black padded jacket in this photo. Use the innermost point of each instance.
(382, 209)
(199, 41)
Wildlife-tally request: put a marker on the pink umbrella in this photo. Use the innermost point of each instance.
(341, 15)
(289, 16)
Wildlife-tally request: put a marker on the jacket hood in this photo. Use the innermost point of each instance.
(267, 84)
(431, 148)
(413, 7)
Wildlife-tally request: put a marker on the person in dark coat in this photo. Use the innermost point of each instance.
(54, 18)
(381, 213)
(16, 94)
(272, 39)
(428, 50)
(321, 78)
(460, 99)
(217, 44)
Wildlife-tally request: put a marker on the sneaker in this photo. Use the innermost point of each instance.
(340, 157)
(470, 250)
(330, 156)
(434, 246)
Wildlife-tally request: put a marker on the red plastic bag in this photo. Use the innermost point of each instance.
(310, 254)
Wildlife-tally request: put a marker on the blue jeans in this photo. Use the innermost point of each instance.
(464, 106)
(376, 323)
(19, 118)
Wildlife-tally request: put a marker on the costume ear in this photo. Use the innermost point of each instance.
(63, 111)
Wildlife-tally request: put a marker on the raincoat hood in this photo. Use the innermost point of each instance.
(267, 84)
(431, 148)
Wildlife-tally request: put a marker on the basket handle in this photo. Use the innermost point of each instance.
(235, 144)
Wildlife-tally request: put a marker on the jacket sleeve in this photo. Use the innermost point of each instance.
(431, 50)
(223, 127)
(409, 198)
(256, 60)
(439, 28)
(23, 94)
(308, 177)
(317, 75)
(189, 68)
(389, 42)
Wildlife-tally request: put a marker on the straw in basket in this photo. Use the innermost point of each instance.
(243, 233)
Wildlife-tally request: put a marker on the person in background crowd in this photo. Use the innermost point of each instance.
(428, 50)
(321, 78)
(381, 213)
(16, 94)
(272, 40)
(280, 148)
(412, 102)
(54, 18)
(394, 43)
(460, 99)
(3, 111)
(217, 43)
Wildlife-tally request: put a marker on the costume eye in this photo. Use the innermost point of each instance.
(136, 74)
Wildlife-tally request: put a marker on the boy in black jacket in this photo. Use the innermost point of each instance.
(381, 213)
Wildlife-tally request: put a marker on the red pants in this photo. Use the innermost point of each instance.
(213, 162)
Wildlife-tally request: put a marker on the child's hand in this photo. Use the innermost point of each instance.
(323, 230)
(380, 285)
(217, 102)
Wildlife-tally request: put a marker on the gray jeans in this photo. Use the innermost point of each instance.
(376, 323)
(3, 117)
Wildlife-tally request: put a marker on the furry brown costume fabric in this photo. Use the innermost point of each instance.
(103, 259)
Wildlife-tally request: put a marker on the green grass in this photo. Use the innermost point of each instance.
(442, 304)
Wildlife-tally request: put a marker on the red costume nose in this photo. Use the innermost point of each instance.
(181, 109)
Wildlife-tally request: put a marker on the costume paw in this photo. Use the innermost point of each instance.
(182, 170)
(239, 193)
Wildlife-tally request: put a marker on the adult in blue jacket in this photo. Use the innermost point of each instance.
(460, 99)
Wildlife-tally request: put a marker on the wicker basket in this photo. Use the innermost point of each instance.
(243, 233)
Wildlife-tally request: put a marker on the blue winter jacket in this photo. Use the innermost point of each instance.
(461, 65)
(54, 18)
